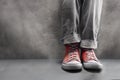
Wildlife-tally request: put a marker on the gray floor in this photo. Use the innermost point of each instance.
(51, 70)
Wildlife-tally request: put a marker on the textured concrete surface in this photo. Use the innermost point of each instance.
(51, 70)
(31, 29)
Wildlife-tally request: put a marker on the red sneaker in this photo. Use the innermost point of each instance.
(72, 58)
(90, 61)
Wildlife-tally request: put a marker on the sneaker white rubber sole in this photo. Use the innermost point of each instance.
(93, 65)
(73, 65)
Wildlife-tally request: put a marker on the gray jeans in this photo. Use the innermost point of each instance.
(80, 22)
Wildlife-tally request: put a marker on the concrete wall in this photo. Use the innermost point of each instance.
(31, 29)
(109, 38)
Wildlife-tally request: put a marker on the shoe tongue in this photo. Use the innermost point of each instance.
(73, 47)
(91, 55)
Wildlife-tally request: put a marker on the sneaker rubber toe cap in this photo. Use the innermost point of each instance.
(93, 65)
(73, 65)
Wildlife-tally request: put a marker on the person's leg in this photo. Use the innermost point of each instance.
(71, 37)
(70, 21)
(90, 22)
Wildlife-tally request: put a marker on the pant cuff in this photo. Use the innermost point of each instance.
(71, 39)
(88, 44)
